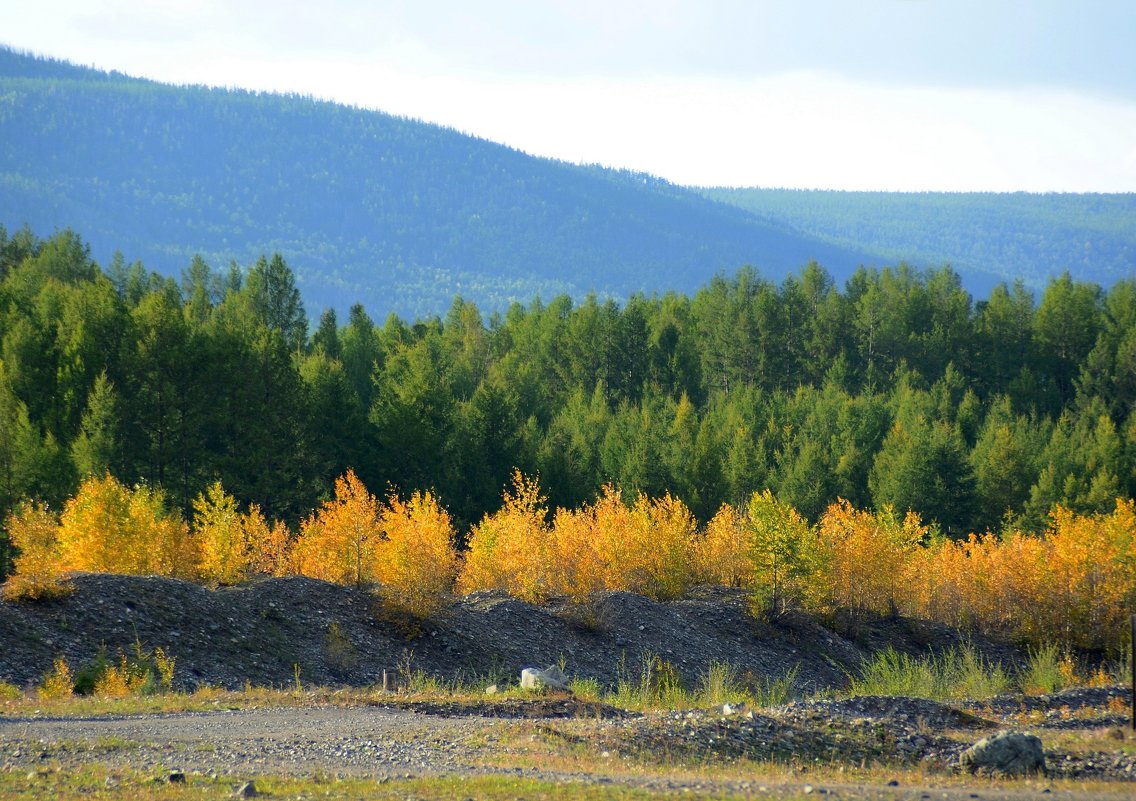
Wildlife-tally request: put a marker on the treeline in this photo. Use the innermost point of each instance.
(1073, 587)
(895, 390)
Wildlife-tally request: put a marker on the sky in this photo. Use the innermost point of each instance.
(893, 95)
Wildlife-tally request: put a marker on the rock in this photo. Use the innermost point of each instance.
(491, 689)
(176, 777)
(551, 677)
(1007, 753)
(246, 790)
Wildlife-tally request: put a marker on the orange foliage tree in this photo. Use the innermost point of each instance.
(863, 558)
(1090, 576)
(270, 547)
(719, 555)
(406, 546)
(339, 542)
(109, 528)
(645, 548)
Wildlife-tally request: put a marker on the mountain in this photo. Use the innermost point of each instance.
(402, 216)
(366, 207)
(1032, 237)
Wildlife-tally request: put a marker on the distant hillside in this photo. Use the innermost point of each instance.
(366, 207)
(402, 216)
(1032, 237)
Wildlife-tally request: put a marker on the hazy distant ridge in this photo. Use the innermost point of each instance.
(402, 216)
(366, 207)
(1018, 235)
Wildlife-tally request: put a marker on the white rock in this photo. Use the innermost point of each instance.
(551, 677)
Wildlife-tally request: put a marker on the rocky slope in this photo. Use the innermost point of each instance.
(261, 633)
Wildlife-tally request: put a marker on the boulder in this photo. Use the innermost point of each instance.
(551, 677)
(1007, 753)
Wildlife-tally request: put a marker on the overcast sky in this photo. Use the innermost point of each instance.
(1002, 95)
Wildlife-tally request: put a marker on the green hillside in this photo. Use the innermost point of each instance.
(1010, 236)
(393, 213)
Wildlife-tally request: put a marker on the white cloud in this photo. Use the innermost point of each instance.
(799, 129)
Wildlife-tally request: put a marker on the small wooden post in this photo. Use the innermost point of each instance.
(388, 680)
(1132, 659)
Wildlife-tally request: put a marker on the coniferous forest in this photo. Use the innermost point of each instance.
(896, 390)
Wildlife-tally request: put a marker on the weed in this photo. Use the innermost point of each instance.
(165, 666)
(774, 692)
(341, 651)
(657, 685)
(58, 683)
(1047, 671)
(586, 689)
(9, 691)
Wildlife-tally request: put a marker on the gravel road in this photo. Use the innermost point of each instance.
(363, 741)
(384, 743)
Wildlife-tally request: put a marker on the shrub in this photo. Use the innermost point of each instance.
(58, 683)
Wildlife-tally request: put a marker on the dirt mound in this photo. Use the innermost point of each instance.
(264, 632)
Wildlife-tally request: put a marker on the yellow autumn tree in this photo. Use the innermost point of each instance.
(109, 528)
(416, 562)
(719, 555)
(862, 562)
(222, 537)
(657, 562)
(32, 530)
(509, 549)
(340, 540)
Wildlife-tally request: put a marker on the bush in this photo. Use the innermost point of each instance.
(58, 683)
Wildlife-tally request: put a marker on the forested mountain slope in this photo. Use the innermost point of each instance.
(395, 214)
(1011, 236)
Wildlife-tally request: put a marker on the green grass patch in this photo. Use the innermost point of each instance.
(950, 675)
